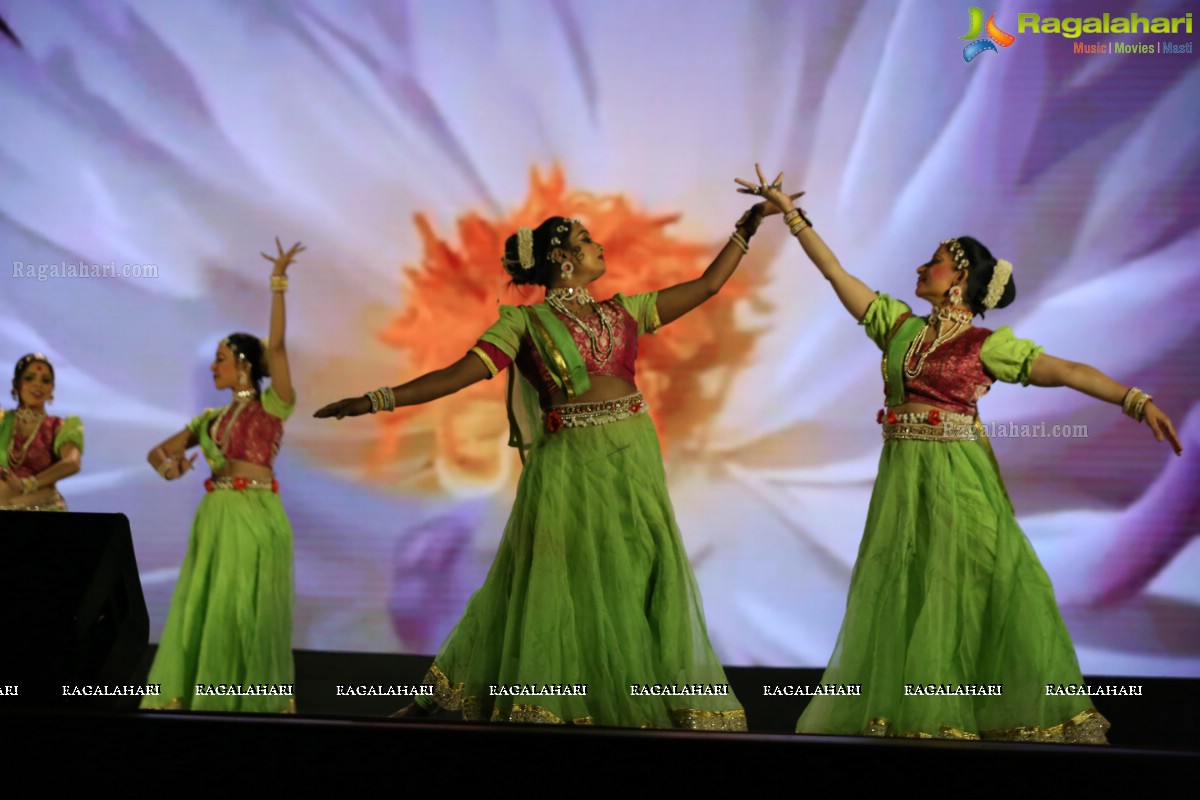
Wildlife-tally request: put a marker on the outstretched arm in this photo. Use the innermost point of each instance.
(1050, 371)
(467, 370)
(277, 360)
(855, 295)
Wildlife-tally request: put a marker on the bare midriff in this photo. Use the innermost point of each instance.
(603, 388)
(244, 469)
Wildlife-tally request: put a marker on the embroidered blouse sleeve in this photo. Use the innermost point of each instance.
(881, 317)
(643, 308)
(70, 432)
(1008, 358)
(274, 406)
(498, 345)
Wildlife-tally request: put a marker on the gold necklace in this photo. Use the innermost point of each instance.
(241, 399)
(593, 336)
(26, 416)
(959, 317)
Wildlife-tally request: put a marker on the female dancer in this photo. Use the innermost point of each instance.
(36, 450)
(229, 629)
(947, 593)
(591, 585)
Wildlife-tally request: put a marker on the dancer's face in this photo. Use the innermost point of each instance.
(586, 255)
(936, 276)
(35, 386)
(225, 369)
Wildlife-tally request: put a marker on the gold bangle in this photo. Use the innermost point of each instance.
(164, 467)
(279, 283)
(29, 485)
(1139, 408)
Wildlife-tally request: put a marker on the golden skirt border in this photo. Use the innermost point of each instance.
(1086, 727)
(454, 698)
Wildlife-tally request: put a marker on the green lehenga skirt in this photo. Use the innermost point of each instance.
(947, 592)
(229, 629)
(591, 588)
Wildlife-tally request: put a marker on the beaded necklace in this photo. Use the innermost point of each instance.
(959, 317)
(555, 299)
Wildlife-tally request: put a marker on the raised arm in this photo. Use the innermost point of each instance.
(277, 360)
(1050, 371)
(467, 370)
(675, 301)
(855, 295)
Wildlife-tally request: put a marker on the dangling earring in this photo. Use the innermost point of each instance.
(242, 381)
(567, 269)
(956, 295)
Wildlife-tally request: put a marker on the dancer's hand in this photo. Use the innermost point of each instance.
(12, 481)
(282, 260)
(1161, 425)
(767, 209)
(350, 407)
(772, 193)
(179, 464)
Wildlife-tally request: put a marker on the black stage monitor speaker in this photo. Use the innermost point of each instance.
(71, 607)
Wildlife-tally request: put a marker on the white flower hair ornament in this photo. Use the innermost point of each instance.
(525, 247)
(1000, 276)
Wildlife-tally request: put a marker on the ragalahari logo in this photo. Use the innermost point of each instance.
(994, 35)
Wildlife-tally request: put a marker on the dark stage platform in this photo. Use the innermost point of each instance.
(346, 741)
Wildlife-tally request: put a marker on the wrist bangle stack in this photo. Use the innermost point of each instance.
(1134, 404)
(796, 221)
(749, 223)
(382, 399)
(29, 485)
(279, 283)
(741, 242)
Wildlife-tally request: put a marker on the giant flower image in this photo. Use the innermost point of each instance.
(403, 142)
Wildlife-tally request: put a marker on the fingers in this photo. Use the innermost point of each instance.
(747, 184)
(778, 180)
(796, 196)
(761, 180)
(333, 409)
(1173, 437)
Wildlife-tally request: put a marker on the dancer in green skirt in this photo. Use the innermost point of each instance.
(227, 644)
(951, 627)
(590, 613)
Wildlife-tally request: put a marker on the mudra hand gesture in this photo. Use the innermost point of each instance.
(1160, 425)
(349, 407)
(777, 202)
(283, 260)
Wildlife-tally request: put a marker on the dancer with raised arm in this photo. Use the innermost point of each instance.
(36, 450)
(227, 644)
(591, 585)
(947, 599)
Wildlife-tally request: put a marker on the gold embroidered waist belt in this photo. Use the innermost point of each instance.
(928, 426)
(241, 484)
(581, 415)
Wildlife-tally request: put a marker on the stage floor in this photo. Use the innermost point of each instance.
(340, 739)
